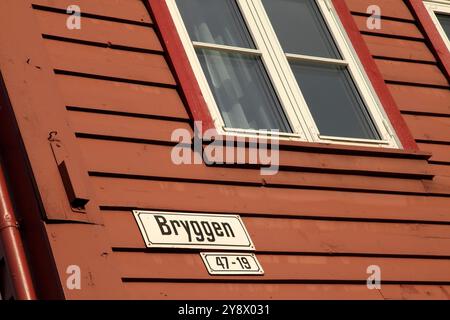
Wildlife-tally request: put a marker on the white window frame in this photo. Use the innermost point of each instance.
(436, 7)
(283, 79)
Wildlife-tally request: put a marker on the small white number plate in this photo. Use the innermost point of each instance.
(231, 263)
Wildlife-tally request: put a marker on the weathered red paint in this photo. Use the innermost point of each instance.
(340, 207)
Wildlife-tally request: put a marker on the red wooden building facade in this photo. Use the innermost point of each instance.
(86, 118)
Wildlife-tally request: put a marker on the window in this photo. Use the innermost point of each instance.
(440, 14)
(283, 65)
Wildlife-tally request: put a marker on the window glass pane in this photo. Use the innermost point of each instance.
(334, 101)
(243, 91)
(215, 21)
(301, 28)
(445, 22)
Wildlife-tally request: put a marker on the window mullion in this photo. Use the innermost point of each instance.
(300, 57)
(225, 48)
(271, 60)
(298, 102)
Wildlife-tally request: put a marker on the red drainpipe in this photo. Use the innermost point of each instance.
(13, 247)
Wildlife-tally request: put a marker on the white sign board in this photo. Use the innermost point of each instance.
(232, 263)
(193, 230)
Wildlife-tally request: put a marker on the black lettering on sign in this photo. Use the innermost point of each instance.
(163, 226)
(185, 224)
(208, 231)
(200, 229)
(173, 223)
(197, 231)
(217, 229)
(227, 228)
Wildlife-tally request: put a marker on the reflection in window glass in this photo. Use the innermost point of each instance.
(301, 28)
(334, 102)
(445, 23)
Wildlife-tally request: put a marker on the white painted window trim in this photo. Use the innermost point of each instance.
(442, 7)
(283, 79)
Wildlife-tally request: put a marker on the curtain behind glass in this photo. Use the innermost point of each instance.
(242, 91)
(239, 82)
(215, 21)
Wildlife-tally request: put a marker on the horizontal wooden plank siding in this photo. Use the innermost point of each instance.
(267, 291)
(429, 127)
(317, 225)
(421, 99)
(285, 267)
(394, 48)
(120, 97)
(411, 73)
(304, 236)
(90, 60)
(396, 29)
(131, 10)
(127, 193)
(159, 164)
(108, 33)
(441, 152)
(289, 160)
(391, 9)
